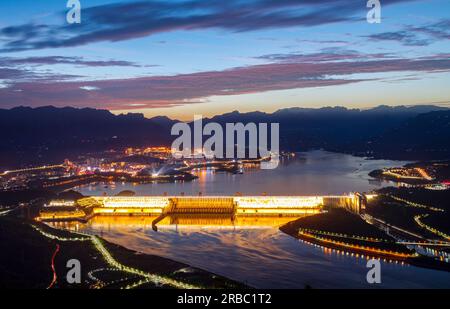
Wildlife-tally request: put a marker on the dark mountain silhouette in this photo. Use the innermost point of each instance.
(332, 128)
(422, 137)
(49, 134)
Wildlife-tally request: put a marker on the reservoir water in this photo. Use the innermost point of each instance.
(309, 173)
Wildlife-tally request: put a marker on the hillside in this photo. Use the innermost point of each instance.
(49, 134)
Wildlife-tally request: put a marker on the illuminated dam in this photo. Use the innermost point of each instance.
(234, 206)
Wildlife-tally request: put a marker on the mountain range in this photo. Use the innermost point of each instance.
(49, 134)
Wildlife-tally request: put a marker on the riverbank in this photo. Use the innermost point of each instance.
(347, 233)
(64, 183)
(35, 256)
(418, 173)
(340, 230)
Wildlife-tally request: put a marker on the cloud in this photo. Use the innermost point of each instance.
(8, 73)
(325, 42)
(326, 55)
(89, 88)
(11, 75)
(439, 30)
(166, 91)
(52, 60)
(417, 36)
(14, 69)
(404, 37)
(119, 21)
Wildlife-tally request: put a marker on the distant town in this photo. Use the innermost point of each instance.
(138, 165)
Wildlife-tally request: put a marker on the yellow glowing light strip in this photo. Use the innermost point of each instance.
(46, 216)
(342, 252)
(370, 239)
(54, 237)
(423, 173)
(413, 204)
(429, 228)
(127, 210)
(157, 279)
(356, 247)
(399, 176)
(274, 202)
(276, 211)
(151, 277)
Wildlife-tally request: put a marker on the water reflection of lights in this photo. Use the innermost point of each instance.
(185, 222)
(369, 250)
(338, 253)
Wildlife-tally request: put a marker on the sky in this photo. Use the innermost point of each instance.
(183, 57)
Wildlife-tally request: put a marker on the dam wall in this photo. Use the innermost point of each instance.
(256, 205)
(208, 205)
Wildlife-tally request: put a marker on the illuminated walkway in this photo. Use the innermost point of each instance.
(112, 262)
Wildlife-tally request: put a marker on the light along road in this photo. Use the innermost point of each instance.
(55, 277)
(424, 244)
(32, 169)
(388, 228)
(111, 261)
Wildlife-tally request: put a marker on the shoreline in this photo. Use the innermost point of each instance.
(358, 246)
(104, 264)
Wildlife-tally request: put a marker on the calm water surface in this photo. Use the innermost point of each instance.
(310, 173)
(257, 252)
